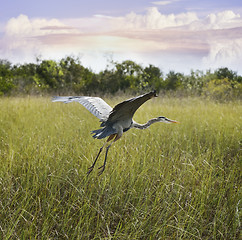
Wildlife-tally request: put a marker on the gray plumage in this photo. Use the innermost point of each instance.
(122, 114)
(113, 121)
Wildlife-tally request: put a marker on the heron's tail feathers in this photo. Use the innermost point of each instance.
(103, 132)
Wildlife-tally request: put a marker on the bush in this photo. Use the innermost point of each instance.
(68, 76)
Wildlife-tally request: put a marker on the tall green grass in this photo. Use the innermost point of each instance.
(171, 181)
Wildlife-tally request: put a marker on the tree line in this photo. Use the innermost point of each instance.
(69, 76)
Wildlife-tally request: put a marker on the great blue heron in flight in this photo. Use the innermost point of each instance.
(114, 121)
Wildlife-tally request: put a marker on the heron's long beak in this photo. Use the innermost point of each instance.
(173, 121)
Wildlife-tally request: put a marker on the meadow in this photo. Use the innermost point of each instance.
(170, 181)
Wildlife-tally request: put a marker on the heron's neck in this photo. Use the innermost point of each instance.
(145, 125)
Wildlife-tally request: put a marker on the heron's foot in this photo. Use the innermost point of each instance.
(102, 170)
(90, 170)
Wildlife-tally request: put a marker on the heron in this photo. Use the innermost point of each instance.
(114, 121)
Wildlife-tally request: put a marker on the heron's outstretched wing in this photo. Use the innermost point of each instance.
(127, 108)
(97, 106)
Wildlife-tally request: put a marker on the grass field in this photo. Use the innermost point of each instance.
(171, 181)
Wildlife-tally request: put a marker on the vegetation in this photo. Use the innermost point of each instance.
(166, 182)
(69, 76)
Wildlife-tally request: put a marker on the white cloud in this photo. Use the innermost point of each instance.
(163, 3)
(23, 26)
(211, 41)
(224, 19)
(225, 52)
(221, 20)
(153, 19)
(20, 40)
(217, 38)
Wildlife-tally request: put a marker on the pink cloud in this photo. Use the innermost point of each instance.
(214, 39)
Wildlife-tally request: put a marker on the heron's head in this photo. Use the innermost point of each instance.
(166, 120)
(152, 94)
(155, 94)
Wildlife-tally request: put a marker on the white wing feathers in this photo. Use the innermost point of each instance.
(95, 105)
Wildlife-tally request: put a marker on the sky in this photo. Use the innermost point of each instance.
(179, 35)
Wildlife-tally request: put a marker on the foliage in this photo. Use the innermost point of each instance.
(173, 81)
(178, 181)
(68, 76)
(6, 77)
(153, 77)
(222, 88)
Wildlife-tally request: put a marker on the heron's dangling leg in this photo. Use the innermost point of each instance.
(91, 168)
(106, 154)
(104, 163)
